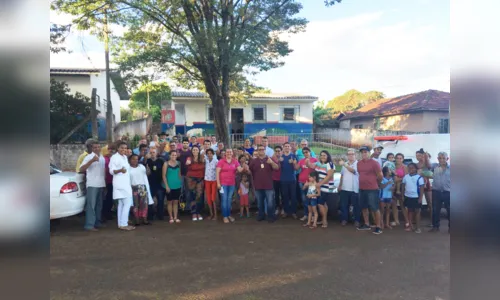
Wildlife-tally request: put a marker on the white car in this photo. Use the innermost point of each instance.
(67, 193)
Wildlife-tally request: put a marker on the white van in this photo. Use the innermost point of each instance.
(408, 145)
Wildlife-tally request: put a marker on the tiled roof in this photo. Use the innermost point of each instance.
(183, 94)
(430, 100)
(74, 71)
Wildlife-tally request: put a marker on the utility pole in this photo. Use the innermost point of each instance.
(109, 110)
(93, 114)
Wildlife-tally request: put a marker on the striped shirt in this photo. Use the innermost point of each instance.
(322, 170)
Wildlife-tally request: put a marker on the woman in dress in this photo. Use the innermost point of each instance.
(226, 180)
(194, 177)
(141, 192)
(400, 171)
(172, 183)
(325, 169)
(122, 189)
(424, 170)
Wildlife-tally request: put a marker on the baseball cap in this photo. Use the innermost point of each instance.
(364, 148)
(378, 146)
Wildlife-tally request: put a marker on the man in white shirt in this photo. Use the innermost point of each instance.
(376, 154)
(349, 188)
(94, 165)
(269, 150)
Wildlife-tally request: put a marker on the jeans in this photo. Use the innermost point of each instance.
(226, 199)
(160, 208)
(349, 198)
(93, 207)
(289, 200)
(438, 199)
(107, 204)
(278, 200)
(265, 198)
(305, 200)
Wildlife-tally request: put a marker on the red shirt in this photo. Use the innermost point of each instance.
(262, 173)
(227, 173)
(276, 173)
(305, 170)
(196, 170)
(368, 170)
(108, 178)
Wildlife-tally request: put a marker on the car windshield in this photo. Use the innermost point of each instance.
(54, 169)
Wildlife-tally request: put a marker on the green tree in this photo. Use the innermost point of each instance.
(58, 34)
(321, 113)
(66, 111)
(148, 98)
(352, 100)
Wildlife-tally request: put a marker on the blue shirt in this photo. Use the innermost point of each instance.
(250, 150)
(387, 192)
(136, 151)
(287, 169)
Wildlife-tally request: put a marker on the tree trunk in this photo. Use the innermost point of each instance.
(220, 119)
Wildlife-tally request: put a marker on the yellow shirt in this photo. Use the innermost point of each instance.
(80, 160)
(104, 150)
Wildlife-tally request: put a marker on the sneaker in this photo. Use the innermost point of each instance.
(304, 218)
(377, 230)
(418, 230)
(363, 227)
(319, 223)
(356, 224)
(276, 212)
(343, 223)
(393, 224)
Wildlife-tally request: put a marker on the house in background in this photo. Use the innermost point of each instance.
(427, 111)
(83, 80)
(263, 114)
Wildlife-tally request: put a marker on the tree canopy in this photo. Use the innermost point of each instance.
(66, 111)
(58, 35)
(156, 92)
(352, 100)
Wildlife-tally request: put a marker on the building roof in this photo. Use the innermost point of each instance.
(257, 96)
(115, 77)
(430, 100)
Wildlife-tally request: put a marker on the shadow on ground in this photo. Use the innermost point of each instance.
(247, 260)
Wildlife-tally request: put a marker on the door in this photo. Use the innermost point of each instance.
(237, 123)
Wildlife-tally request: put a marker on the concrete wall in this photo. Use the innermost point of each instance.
(64, 156)
(140, 127)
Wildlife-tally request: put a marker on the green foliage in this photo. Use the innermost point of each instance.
(332, 2)
(66, 111)
(157, 93)
(58, 35)
(352, 100)
(126, 115)
(321, 113)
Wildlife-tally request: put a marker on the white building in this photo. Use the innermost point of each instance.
(262, 114)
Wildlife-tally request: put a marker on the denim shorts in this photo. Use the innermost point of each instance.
(386, 200)
(369, 199)
(313, 201)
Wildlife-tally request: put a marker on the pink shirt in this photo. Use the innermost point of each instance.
(227, 173)
(305, 170)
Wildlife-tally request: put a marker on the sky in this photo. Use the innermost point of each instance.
(397, 47)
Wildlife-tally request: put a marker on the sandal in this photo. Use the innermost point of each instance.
(226, 220)
(177, 221)
(313, 226)
(171, 221)
(306, 225)
(325, 225)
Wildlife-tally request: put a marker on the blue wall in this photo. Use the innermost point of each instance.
(250, 129)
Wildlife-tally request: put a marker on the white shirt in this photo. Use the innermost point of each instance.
(121, 182)
(350, 181)
(214, 147)
(269, 151)
(138, 176)
(95, 172)
(210, 167)
(412, 184)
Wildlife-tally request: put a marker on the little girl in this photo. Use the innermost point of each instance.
(313, 192)
(387, 186)
(243, 193)
(390, 162)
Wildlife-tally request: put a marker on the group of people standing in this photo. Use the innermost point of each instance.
(164, 170)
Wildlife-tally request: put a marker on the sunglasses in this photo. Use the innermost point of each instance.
(262, 149)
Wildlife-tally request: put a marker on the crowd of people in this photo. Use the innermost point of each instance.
(190, 176)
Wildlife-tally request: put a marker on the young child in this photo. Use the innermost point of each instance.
(313, 192)
(387, 186)
(390, 163)
(413, 190)
(243, 192)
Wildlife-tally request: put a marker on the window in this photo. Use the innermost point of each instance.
(444, 126)
(289, 113)
(259, 113)
(360, 126)
(210, 113)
